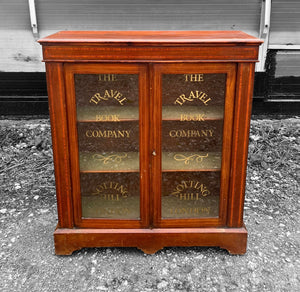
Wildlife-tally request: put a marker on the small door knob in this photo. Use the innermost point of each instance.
(154, 153)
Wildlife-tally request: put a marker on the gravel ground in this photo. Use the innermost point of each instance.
(28, 218)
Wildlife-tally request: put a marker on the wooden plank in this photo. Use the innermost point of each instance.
(134, 54)
(60, 143)
(240, 140)
(151, 37)
(150, 240)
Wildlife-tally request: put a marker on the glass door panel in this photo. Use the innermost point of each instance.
(191, 142)
(108, 131)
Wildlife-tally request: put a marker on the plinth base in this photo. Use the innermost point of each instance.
(150, 240)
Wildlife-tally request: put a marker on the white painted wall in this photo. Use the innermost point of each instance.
(285, 22)
(20, 53)
(287, 63)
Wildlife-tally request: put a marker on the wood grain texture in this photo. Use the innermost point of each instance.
(230, 70)
(147, 53)
(240, 140)
(150, 240)
(153, 37)
(116, 68)
(150, 54)
(60, 143)
(80, 46)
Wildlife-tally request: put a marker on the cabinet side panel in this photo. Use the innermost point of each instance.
(57, 109)
(241, 125)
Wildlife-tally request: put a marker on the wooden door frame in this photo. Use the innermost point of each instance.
(108, 68)
(230, 69)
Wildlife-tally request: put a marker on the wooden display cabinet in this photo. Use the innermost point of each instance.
(150, 137)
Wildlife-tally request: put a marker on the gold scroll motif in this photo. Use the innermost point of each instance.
(114, 158)
(187, 159)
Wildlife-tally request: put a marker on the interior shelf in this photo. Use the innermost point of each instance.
(107, 113)
(131, 113)
(185, 113)
(109, 162)
(191, 161)
(129, 161)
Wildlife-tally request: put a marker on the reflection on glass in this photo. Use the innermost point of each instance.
(108, 139)
(110, 195)
(190, 194)
(192, 125)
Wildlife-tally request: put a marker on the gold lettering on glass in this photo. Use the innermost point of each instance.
(191, 133)
(108, 134)
(108, 94)
(111, 191)
(107, 118)
(107, 77)
(190, 190)
(196, 211)
(114, 211)
(194, 77)
(192, 117)
(194, 95)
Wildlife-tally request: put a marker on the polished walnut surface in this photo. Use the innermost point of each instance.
(143, 46)
(151, 37)
(160, 136)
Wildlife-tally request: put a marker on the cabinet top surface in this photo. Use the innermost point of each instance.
(150, 37)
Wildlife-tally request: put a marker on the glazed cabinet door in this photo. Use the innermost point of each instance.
(108, 132)
(193, 118)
